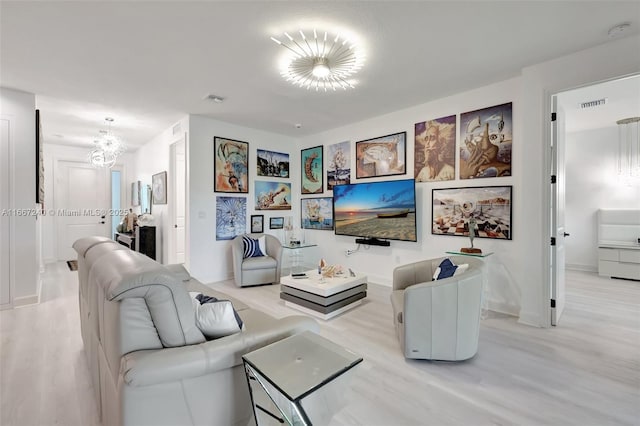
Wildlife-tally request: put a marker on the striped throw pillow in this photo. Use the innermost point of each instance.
(250, 247)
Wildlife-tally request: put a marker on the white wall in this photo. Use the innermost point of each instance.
(150, 159)
(210, 260)
(378, 262)
(19, 109)
(592, 183)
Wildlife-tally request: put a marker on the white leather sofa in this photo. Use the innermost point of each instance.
(437, 320)
(149, 362)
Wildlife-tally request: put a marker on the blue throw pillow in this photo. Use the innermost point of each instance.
(447, 269)
(250, 247)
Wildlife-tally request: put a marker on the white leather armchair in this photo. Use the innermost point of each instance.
(437, 320)
(257, 270)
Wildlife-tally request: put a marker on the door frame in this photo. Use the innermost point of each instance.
(172, 242)
(548, 160)
(11, 260)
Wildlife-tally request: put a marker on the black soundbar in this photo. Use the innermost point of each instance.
(373, 242)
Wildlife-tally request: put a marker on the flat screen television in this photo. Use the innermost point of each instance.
(376, 210)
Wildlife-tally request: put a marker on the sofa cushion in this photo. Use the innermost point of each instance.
(262, 262)
(251, 247)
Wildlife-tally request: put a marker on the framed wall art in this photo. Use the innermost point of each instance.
(231, 217)
(490, 206)
(230, 166)
(338, 164)
(274, 164)
(159, 188)
(257, 223)
(273, 195)
(485, 142)
(382, 156)
(435, 150)
(312, 170)
(317, 213)
(276, 223)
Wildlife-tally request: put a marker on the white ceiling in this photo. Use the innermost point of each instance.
(147, 64)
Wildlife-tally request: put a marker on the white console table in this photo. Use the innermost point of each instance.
(619, 243)
(618, 260)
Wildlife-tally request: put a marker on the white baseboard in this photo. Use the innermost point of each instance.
(581, 268)
(530, 318)
(26, 300)
(503, 308)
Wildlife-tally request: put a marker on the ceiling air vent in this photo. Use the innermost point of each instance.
(595, 103)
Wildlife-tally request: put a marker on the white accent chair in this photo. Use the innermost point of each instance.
(437, 320)
(257, 270)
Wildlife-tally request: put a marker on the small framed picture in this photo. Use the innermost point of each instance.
(257, 223)
(276, 223)
(159, 188)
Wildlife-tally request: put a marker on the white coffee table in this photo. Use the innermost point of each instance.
(323, 297)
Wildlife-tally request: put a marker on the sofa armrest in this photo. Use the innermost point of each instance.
(146, 368)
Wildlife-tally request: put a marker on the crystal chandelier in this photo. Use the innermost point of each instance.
(321, 61)
(107, 148)
(629, 150)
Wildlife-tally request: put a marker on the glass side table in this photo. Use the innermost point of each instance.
(297, 257)
(300, 380)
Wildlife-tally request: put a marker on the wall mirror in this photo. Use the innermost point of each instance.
(145, 199)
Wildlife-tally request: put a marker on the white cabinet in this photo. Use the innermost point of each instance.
(619, 262)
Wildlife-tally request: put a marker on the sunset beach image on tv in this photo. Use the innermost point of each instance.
(384, 210)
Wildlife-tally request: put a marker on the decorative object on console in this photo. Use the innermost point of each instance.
(376, 210)
(257, 223)
(629, 150)
(159, 188)
(311, 173)
(231, 217)
(107, 148)
(131, 221)
(274, 164)
(435, 150)
(325, 62)
(491, 207)
(382, 156)
(317, 213)
(485, 146)
(230, 165)
(273, 195)
(339, 167)
(472, 226)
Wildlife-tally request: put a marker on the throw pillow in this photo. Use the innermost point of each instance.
(461, 269)
(446, 269)
(251, 247)
(216, 318)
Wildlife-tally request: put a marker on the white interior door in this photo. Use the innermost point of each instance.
(81, 203)
(5, 240)
(558, 232)
(177, 233)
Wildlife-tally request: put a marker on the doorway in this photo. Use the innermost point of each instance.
(178, 203)
(82, 205)
(589, 142)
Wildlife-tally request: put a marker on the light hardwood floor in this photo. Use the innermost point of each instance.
(584, 372)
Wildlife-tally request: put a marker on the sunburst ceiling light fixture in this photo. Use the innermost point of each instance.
(107, 148)
(322, 62)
